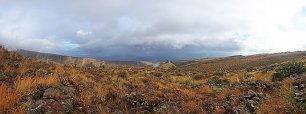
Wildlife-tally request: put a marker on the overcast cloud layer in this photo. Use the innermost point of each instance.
(153, 29)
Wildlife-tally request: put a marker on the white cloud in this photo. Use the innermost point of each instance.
(81, 33)
(219, 26)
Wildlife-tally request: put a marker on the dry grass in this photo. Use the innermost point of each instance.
(165, 91)
(28, 85)
(25, 86)
(86, 97)
(9, 101)
(100, 89)
(266, 77)
(283, 102)
(193, 106)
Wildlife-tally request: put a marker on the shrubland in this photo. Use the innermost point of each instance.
(37, 86)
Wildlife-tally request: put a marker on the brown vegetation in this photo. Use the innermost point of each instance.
(29, 83)
(10, 100)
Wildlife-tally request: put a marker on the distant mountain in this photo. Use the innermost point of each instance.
(229, 63)
(238, 62)
(78, 60)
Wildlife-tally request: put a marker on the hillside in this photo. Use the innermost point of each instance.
(34, 86)
(238, 62)
(78, 60)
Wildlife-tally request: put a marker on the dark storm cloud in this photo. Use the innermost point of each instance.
(145, 29)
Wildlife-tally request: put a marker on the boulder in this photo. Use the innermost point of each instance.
(4, 78)
(250, 94)
(53, 93)
(49, 106)
(54, 101)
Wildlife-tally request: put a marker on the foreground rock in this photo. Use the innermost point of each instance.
(300, 88)
(54, 101)
(247, 104)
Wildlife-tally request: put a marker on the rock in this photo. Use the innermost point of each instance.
(52, 93)
(229, 109)
(297, 94)
(67, 105)
(210, 105)
(29, 101)
(38, 107)
(49, 106)
(300, 99)
(4, 78)
(69, 91)
(256, 98)
(16, 64)
(38, 95)
(53, 100)
(300, 90)
(250, 94)
(302, 85)
(55, 106)
(252, 105)
(260, 95)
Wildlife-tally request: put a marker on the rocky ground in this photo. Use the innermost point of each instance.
(300, 88)
(37, 87)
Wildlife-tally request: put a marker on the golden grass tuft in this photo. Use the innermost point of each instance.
(9, 101)
(28, 85)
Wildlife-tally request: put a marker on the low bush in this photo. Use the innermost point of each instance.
(198, 77)
(218, 91)
(287, 70)
(216, 80)
(123, 74)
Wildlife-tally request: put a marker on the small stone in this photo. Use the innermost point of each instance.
(3, 77)
(297, 94)
(260, 95)
(16, 64)
(299, 99)
(256, 98)
(250, 94)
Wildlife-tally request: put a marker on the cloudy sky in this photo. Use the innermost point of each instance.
(153, 29)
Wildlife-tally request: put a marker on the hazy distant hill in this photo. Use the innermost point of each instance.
(238, 62)
(202, 65)
(78, 60)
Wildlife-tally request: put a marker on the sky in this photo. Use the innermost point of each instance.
(153, 30)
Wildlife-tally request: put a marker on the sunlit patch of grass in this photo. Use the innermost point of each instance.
(86, 97)
(101, 91)
(28, 85)
(188, 80)
(25, 86)
(9, 101)
(192, 106)
(266, 77)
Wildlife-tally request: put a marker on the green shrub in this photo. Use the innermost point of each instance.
(288, 69)
(219, 91)
(216, 80)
